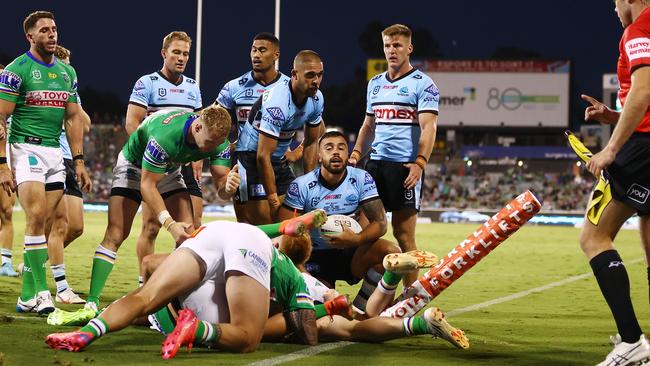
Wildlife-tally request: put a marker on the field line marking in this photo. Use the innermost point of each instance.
(524, 293)
(311, 351)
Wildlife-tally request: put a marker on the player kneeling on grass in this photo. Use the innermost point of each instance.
(339, 189)
(332, 309)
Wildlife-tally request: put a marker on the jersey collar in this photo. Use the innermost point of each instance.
(277, 77)
(30, 55)
(401, 77)
(186, 130)
(180, 80)
(323, 183)
(294, 99)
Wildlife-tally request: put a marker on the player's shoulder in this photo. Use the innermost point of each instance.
(318, 99)
(377, 79)
(21, 62)
(640, 27)
(241, 81)
(65, 67)
(420, 77)
(189, 80)
(278, 95)
(360, 176)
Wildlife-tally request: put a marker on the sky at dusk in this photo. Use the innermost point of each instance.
(114, 43)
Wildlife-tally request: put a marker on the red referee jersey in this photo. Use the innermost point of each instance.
(634, 52)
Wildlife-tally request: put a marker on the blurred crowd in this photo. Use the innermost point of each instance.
(481, 191)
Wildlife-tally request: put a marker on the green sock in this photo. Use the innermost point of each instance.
(207, 333)
(97, 327)
(28, 289)
(320, 311)
(415, 326)
(391, 278)
(36, 252)
(102, 266)
(271, 230)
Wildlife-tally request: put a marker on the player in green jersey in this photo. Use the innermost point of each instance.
(7, 201)
(232, 264)
(148, 169)
(39, 92)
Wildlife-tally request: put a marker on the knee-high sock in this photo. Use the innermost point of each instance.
(36, 252)
(369, 284)
(102, 266)
(615, 286)
(28, 289)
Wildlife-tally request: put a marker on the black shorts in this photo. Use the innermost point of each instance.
(192, 185)
(251, 188)
(331, 265)
(389, 177)
(629, 174)
(71, 185)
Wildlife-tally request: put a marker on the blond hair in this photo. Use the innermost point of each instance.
(397, 30)
(176, 36)
(216, 119)
(62, 53)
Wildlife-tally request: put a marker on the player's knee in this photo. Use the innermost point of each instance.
(150, 230)
(6, 213)
(74, 232)
(148, 265)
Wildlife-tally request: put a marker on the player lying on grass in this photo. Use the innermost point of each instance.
(333, 325)
(227, 265)
(148, 169)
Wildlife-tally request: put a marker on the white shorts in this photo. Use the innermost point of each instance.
(231, 246)
(208, 302)
(37, 163)
(128, 175)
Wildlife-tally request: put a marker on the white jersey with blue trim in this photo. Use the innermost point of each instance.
(239, 95)
(276, 115)
(310, 191)
(155, 92)
(396, 104)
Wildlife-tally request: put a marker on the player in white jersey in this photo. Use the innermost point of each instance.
(67, 224)
(167, 88)
(400, 122)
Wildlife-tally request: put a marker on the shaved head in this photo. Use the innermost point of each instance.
(304, 57)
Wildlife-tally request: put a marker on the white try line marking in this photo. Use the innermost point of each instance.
(311, 351)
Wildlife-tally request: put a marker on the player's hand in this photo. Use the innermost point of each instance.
(597, 111)
(7, 179)
(294, 155)
(352, 162)
(345, 239)
(83, 178)
(601, 161)
(415, 173)
(197, 169)
(3, 131)
(179, 231)
(232, 180)
(274, 204)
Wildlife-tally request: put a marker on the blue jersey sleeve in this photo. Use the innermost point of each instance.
(368, 189)
(295, 198)
(317, 115)
(141, 92)
(369, 110)
(199, 102)
(225, 98)
(274, 113)
(428, 97)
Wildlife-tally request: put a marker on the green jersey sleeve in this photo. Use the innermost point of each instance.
(288, 286)
(222, 155)
(10, 83)
(155, 157)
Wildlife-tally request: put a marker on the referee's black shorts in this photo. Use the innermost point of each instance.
(629, 174)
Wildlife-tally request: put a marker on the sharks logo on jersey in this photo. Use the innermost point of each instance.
(239, 95)
(154, 92)
(307, 193)
(396, 104)
(276, 116)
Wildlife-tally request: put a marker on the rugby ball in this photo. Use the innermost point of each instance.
(335, 224)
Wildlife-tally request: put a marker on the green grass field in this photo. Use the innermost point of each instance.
(564, 325)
